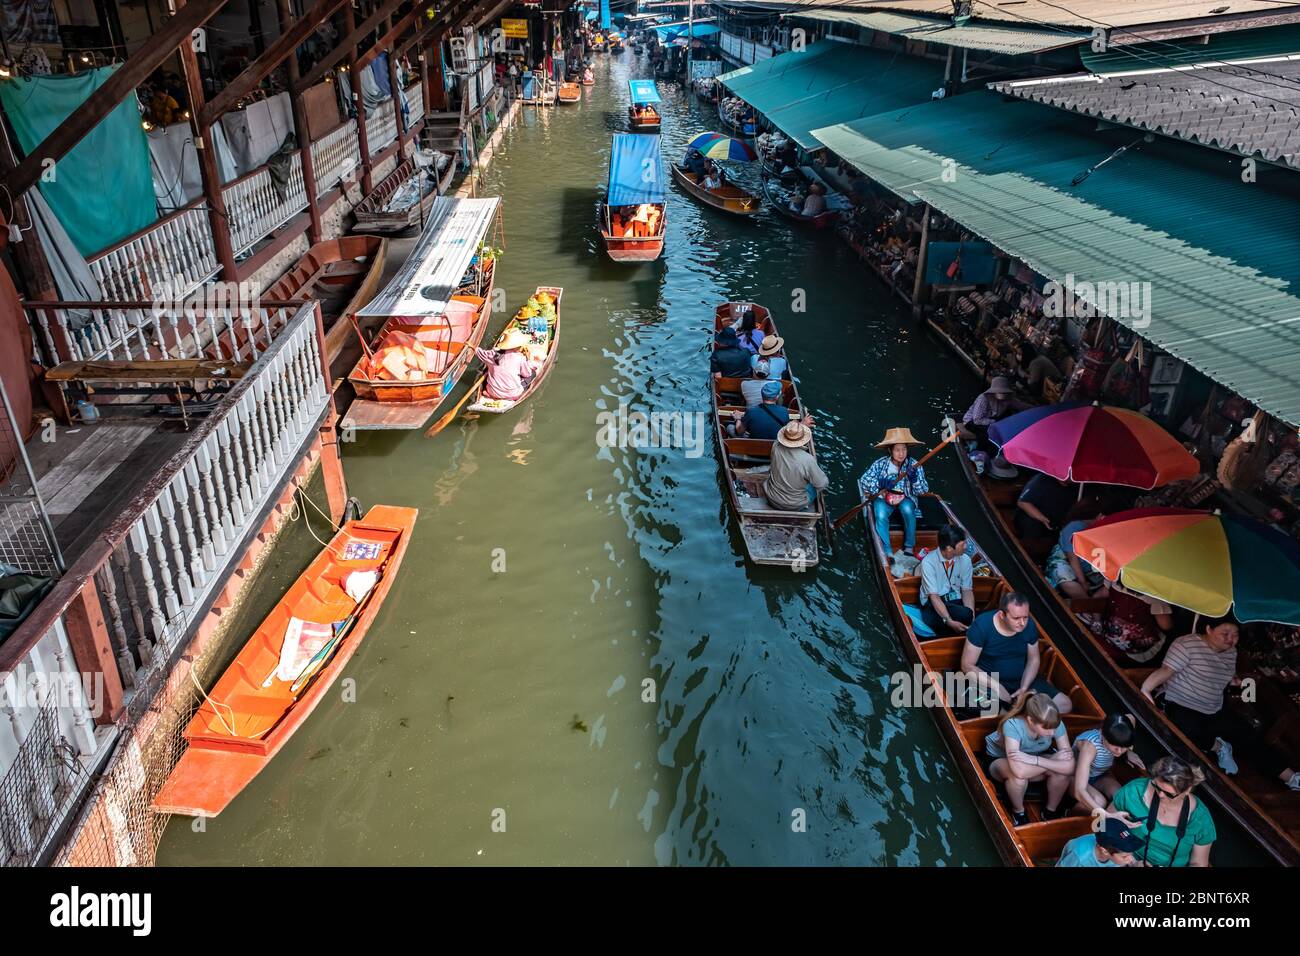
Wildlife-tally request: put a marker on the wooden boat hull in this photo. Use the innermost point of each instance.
(633, 249)
(1040, 841)
(786, 539)
(588, 82)
(1280, 840)
(244, 721)
(330, 270)
(825, 220)
(729, 199)
(569, 93)
(371, 215)
(499, 407)
(643, 124)
(746, 130)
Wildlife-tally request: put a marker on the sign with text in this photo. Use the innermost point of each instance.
(515, 29)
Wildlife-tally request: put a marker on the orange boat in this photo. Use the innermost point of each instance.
(269, 690)
(569, 93)
(435, 312)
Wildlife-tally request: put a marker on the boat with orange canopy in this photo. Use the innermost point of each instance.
(435, 312)
(288, 665)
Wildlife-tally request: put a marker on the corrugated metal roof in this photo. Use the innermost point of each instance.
(831, 82)
(1220, 254)
(992, 38)
(1235, 47)
(439, 260)
(1232, 108)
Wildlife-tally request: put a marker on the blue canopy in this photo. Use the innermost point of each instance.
(635, 170)
(592, 15)
(643, 91)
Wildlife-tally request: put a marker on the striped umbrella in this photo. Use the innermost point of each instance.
(1204, 561)
(1079, 442)
(717, 146)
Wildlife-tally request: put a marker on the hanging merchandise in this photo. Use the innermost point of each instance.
(102, 189)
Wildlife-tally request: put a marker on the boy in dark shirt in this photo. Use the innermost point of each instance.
(1043, 506)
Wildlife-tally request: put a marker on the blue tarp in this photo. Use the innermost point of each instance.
(635, 170)
(680, 29)
(643, 91)
(592, 14)
(102, 190)
(604, 14)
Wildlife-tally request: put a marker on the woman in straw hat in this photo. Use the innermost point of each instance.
(992, 405)
(794, 477)
(770, 349)
(509, 369)
(896, 479)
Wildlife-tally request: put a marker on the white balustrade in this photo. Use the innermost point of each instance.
(335, 156)
(415, 102)
(381, 127)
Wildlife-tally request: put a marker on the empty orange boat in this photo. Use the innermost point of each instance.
(288, 664)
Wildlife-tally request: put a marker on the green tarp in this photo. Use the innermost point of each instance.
(831, 82)
(102, 190)
(1220, 254)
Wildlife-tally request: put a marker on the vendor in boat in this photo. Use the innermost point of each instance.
(770, 350)
(509, 369)
(1030, 744)
(729, 359)
(893, 482)
(1197, 671)
(1175, 827)
(794, 478)
(1095, 753)
(947, 594)
(815, 204)
(1001, 652)
(588, 77)
(991, 405)
(764, 420)
(695, 163)
(1043, 506)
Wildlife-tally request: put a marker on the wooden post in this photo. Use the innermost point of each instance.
(436, 94)
(300, 126)
(28, 254)
(93, 651)
(920, 263)
(397, 99)
(354, 83)
(218, 219)
(425, 90)
(331, 463)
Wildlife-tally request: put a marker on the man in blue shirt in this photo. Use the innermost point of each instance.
(1003, 645)
(1113, 845)
(947, 593)
(765, 419)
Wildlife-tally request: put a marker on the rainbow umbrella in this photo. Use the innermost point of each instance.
(717, 146)
(1080, 442)
(1204, 561)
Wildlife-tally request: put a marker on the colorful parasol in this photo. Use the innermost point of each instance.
(1204, 561)
(717, 146)
(1079, 442)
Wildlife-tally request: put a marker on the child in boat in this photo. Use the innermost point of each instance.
(1021, 751)
(1113, 845)
(1095, 753)
(509, 368)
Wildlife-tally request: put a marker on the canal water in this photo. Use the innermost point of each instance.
(576, 665)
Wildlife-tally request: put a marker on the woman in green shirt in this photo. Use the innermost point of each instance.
(1175, 827)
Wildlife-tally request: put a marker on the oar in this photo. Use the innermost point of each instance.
(446, 420)
(842, 519)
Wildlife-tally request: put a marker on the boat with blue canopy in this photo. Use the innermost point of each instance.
(633, 216)
(642, 115)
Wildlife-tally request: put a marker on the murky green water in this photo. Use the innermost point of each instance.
(518, 696)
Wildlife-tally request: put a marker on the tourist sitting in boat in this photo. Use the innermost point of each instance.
(794, 478)
(713, 178)
(751, 336)
(1066, 571)
(1001, 652)
(1174, 826)
(770, 350)
(947, 593)
(1196, 673)
(1043, 506)
(1095, 753)
(815, 204)
(765, 419)
(752, 388)
(729, 359)
(509, 368)
(1112, 845)
(1031, 744)
(991, 405)
(893, 482)
(695, 162)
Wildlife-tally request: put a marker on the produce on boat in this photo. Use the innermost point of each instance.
(539, 322)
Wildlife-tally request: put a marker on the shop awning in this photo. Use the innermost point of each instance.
(831, 82)
(988, 37)
(1219, 254)
(635, 170)
(643, 91)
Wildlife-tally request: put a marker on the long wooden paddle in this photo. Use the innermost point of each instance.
(842, 519)
(446, 420)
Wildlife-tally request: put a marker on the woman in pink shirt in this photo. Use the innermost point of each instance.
(509, 370)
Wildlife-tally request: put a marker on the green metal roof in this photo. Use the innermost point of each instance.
(989, 37)
(831, 82)
(1222, 256)
(1242, 45)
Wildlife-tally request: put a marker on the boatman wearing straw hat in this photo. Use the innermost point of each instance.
(893, 482)
(794, 478)
(509, 369)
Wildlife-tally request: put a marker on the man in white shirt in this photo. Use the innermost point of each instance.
(947, 593)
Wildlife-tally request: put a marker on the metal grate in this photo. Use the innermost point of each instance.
(27, 539)
(34, 791)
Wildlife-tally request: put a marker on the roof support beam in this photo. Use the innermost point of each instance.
(347, 46)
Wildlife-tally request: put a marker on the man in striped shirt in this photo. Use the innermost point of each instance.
(1196, 672)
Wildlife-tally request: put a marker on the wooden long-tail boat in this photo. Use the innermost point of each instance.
(642, 115)
(728, 198)
(403, 198)
(549, 345)
(785, 539)
(569, 93)
(1263, 807)
(626, 238)
(938, 664)
(825, 220)
(435, 312)
(746, 129)
(260, 702)
(588, 82)
(342, 274)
